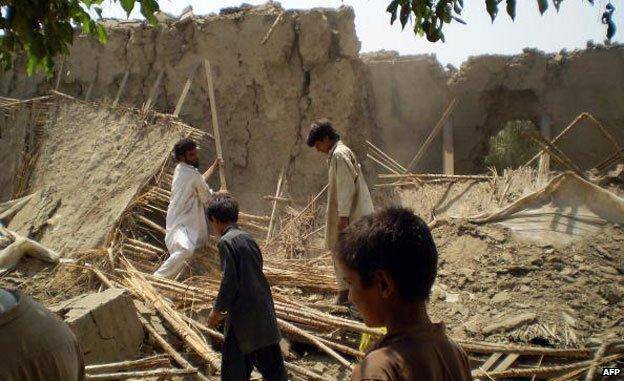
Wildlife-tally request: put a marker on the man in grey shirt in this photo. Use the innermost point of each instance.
(251, 333)
(35, 343)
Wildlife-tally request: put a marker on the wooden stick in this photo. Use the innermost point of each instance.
(448, 155)
(185, 90)
(434, 176)
(583, 115)
(162, 372)
(121, 88)
(151, 224)
(554, 152)
(543, 371)
(278, 191)
(14, 206)
(153, 92)
(292, 220)
(386, 156)
(288, 327)
(148, 362)
(368, 155)
(591, 374)
(432, 135)
(278, 199)
(89, 90)
(270, 31)
(157, 337)
(168, 348)
(60, 74)
(556, 139)
(483, 347)
(215, 122)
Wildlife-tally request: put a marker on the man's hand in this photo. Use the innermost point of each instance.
(218, 162)
(214, 318)
(343, 223)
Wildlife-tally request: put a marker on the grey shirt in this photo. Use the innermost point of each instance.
(245, 293)
(37, 345)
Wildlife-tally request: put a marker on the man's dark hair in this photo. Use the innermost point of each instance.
(319, 130)
(397, 241)
(223, 208)
(183, 146)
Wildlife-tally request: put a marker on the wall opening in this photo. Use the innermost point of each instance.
(508, 148)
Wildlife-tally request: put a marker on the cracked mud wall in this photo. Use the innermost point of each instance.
(491, 90)
(266, 95)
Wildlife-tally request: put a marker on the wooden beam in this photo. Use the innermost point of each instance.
(278, 192)
(59, 75)
(121, 88)
(448, 156)
(554, 152)
(215, 122)
(544, 160)
(153, 92)
(432, 135)
(185, 90)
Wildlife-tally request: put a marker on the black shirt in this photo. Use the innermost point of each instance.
(245, 293)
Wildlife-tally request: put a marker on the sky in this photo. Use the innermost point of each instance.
(576, 23)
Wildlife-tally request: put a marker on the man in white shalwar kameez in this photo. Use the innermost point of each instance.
(348, 197)
(187, 229)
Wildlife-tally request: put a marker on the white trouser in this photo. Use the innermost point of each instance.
(181, 248)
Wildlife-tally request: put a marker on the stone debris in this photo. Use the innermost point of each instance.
(105, 324)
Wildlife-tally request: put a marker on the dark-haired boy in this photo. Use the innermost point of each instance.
(186, 220)
(251, 333)
(348, 197)
(389, 261)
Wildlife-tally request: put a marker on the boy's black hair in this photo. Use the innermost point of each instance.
(223, 208)
(183, 146)
(397, 241)
(319, 130)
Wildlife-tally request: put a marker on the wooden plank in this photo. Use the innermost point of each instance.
(544, 160)
(89, 90)
(59, 75)
(432, 135)
(448, 156)
(507, 362)
(153, 92)
(121, 88)
(185, 90)
(278, 191)
(489, 363)
(215, 122)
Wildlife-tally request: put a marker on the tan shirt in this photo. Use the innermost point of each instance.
(347, 193)
(422, 353)
(37, 345)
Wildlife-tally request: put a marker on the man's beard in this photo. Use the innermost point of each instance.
(194, 163)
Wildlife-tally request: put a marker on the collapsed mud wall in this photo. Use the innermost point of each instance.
(548, 90)
(266, 94)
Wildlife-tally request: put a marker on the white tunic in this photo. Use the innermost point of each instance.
(187, 229)
(186, 219)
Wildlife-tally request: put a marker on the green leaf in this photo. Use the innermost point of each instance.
(492, 8)
(392, 9)
(511, 9)
(406, 9)
(102, 35)
(127, 5)
(543, 5)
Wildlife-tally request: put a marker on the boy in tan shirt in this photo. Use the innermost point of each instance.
(389, 262)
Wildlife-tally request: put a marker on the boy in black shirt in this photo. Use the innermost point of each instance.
(251, 333)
